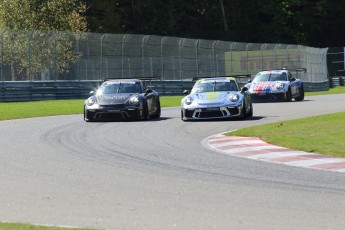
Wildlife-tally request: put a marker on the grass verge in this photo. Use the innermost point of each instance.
(320, 134)
(17, 110)
(19, 226)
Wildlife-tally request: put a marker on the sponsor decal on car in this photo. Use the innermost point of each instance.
(212, 95)
(113, 97)
(263, 87)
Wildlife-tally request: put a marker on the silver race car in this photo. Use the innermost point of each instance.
(216, 98)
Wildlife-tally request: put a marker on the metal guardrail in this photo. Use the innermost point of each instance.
(11, 91)
(337, 81)
(57, 90)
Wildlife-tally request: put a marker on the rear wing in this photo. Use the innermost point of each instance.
(234, 76)
(291, 70)
(134, 78)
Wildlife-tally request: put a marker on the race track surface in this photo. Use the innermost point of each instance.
(158, 174)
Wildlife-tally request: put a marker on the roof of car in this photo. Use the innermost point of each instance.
(216, 79)
(123, 80)
(275, 71)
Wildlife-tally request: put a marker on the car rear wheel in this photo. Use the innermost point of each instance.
(146, 114)
(300, 95)
(158, 110)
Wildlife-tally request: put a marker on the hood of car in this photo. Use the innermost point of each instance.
(265, 85)
(110, 99)
(212, 97)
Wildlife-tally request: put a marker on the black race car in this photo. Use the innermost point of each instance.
(122, 99)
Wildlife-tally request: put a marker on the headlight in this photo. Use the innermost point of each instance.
(90, 101)
(280, 86)
(189, 100)
(234, 98)
(134, 100)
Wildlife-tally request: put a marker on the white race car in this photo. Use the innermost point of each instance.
(216, 98)
(276, 85)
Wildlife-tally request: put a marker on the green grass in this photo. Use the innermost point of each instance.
(335, 90)
(19, 226)
(320, 134)
(17, 110)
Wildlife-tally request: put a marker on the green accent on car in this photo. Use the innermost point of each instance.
(212, 95)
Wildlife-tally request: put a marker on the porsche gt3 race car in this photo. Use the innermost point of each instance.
(216, 98)
(122, 99)
(276, 85)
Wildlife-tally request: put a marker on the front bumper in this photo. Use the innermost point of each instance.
(211, 113)
(268, 97)
(112, 113)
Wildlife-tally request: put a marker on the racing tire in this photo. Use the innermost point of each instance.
(87, 118)
(158, 111)
(300, 95)
(250, 113)
(288, 96)
(182, 117)
(146, 115)
(243, 112)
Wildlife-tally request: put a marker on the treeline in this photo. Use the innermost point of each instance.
(316, 23)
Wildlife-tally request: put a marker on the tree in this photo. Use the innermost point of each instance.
(30, 39)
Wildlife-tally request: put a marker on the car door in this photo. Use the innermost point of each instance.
(293, 84)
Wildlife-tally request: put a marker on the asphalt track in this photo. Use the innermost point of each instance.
(159, 174)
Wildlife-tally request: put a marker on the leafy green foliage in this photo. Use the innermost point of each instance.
(26, 44)
(43, 15)
(317, 23)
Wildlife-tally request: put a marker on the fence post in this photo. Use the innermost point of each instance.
(143, 40)
(101, 58)
(179, 56)
(123, 53)
(162, 58)
(196, 57)
(1, 49)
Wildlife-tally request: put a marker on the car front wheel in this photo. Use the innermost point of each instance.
(87, 117)
(288, 96)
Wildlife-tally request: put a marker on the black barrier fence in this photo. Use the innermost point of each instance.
(58, 90)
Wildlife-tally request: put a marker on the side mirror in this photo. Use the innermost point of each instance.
(148, 91)
(185, 92)
(92, 93)
(293, 79)
(250, 80)
(244, 89)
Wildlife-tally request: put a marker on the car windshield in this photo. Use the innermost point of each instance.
(270, 77)
(214, 86)
(120, 87)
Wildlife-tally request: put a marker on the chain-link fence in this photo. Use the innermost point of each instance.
(52, 55)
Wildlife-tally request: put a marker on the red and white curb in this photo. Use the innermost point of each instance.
(255, 148)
